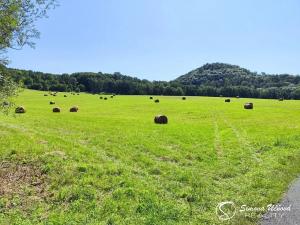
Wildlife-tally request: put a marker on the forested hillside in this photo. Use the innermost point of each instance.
(220, 75)
(209, 80)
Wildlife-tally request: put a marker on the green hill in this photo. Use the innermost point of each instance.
(221, 75)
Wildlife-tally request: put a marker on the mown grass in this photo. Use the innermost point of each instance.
(110, 164)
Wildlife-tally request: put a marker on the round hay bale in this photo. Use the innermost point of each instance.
(227, 100)
(105, 98)
(248, 105)
(45, 95)
(78, 94)
(52, 103)
(20, 109)
(183, 98)
(65, 96)
(151, 97)
(112, 96)
(56, 110)
(54, 95)
(74, 109)
(156, 101)
(101, 97)
(161, 119)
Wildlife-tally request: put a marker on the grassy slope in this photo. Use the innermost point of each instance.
(110, 164)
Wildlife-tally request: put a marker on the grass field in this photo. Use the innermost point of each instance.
(110, 164)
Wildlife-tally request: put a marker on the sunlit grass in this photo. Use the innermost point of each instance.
(110, 164)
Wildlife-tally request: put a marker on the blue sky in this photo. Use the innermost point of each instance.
(162, 39)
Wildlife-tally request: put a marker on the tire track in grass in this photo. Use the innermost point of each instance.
(217, 140)
(237, 149)
(241, 138)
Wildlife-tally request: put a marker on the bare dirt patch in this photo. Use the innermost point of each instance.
(26, 182)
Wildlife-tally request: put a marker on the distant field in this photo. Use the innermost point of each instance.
(110, 164)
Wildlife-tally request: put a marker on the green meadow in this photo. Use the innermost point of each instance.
(110, 163)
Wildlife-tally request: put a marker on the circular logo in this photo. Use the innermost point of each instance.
(226, 210)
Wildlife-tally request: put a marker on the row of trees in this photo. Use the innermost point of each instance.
(94, 83)
(121, 84)
(245, 92)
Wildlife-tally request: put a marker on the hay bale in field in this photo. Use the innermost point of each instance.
(280, 99)
(183, 98)
(52, 103)
(112, 96)
(105, 98)
(227, 100)
(101, 97)
(56, 110)
(20, 109)
(156, 101)
(248, 105)
(65, 96)
(161, 119)
(74, 109)
(45, 95)
(150, 97)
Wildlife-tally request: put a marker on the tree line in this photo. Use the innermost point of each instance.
(210, 80)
